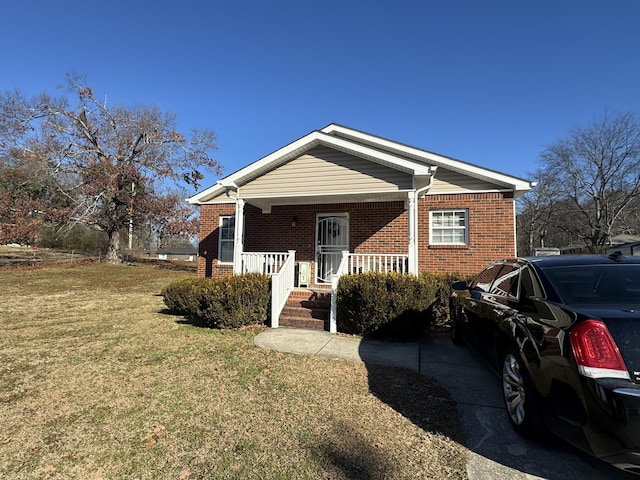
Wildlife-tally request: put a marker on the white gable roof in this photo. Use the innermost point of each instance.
(414, 161)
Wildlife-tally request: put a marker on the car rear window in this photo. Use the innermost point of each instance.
(596, 284)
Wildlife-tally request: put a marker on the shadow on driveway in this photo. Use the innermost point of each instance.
(496, 451)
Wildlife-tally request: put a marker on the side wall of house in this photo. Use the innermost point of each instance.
(491, 232)
(208, 265)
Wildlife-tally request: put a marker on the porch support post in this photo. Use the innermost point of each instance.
(333, 313)
(413, 232)
(238, 244)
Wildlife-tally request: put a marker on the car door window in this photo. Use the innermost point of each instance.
(506, 282)
(485, 278)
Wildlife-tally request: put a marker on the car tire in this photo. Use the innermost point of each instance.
(520, 397)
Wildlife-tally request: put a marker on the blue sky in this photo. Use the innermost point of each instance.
(487, 82)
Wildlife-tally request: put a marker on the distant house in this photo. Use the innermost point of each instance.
(340, 201)
(623, 238)
(189, 254)
(630, 248)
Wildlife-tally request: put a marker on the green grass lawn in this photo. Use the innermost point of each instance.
(98, 381)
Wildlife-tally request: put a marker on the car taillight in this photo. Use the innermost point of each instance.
(596, 352)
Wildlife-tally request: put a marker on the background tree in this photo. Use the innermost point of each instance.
(592, 177)
(29, 199)
(114, 164)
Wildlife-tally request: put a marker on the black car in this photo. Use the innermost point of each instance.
(563, 333)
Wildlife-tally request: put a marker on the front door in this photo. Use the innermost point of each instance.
(332, 238)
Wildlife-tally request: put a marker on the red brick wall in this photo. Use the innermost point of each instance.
(208, 250)
(380, 227)
(491, 232)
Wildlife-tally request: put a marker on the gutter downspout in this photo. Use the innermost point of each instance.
(413, 198)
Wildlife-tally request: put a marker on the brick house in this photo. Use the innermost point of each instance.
(342, 201)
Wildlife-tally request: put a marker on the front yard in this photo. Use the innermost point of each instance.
(96, 381)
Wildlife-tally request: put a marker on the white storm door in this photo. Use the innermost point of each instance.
(332, 238)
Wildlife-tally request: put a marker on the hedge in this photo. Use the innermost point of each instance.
(393, 304)
(226, 302)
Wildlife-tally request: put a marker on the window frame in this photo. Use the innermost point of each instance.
(465, 228)
(226, 240)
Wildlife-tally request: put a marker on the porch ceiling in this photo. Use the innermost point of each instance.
(265, 204)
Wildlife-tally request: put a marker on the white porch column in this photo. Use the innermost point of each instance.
(413, 232)
(238, 243)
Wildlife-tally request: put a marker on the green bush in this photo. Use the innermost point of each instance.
(228, 302)
(239, 300)
(397, 305)
(184, 296)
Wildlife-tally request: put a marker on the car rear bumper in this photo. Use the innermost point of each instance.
(615, 420)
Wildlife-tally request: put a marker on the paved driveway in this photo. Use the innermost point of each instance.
(497, 452)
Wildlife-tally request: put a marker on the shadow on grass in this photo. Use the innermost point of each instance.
(420, 399)
(352, 457)
(175, 266)
(182, 319)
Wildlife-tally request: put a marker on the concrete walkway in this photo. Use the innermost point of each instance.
(496, 451)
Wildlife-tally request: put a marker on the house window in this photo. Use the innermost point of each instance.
(448, 227)
(226, 239)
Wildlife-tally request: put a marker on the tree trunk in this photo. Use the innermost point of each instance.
(113, 250)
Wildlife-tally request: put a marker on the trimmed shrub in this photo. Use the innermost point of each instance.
(394, 304)
(228, 302)
(235, 301)
(183, 296)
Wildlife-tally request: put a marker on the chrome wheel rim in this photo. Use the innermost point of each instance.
(513, 389)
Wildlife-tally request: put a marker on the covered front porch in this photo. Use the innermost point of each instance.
(324, 241)
(287, 274)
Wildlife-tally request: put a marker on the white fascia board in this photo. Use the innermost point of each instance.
(273, 159)
(217, 189)
(383, 158)
(517, 184)
(265, 163)
(307, 142)
(210, 192)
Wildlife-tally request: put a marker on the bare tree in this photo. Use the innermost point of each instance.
(594, 175)
(115, 164)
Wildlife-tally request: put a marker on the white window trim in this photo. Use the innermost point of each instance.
(220, 240)
(465, 228)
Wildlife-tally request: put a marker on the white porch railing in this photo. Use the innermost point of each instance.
(281, 286)
(267, 263)
(374, 262)
(281, 267)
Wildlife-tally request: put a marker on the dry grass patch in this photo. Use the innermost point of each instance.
(98, 382)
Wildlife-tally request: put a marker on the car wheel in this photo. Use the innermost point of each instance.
(520, 397)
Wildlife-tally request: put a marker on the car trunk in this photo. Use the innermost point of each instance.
(624, 326)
